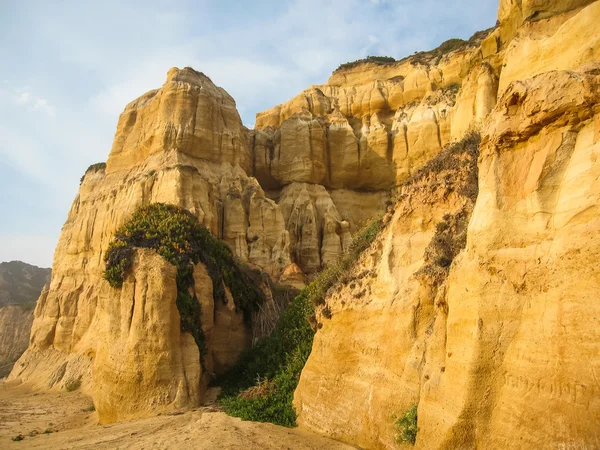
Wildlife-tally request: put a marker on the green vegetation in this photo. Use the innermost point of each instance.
(452, 158)
(93, 168)
(73, 385)
(406, 427)
(177, 236)
(18, 438)
(456, 167)
(434, 56)
(379, 60)
(425, 57)
(261, 385)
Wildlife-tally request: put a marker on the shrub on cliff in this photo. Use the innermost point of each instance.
(177, 236)
(276, 361)
(379, 60)
(93, 168)
(261, 385)
(406, 427)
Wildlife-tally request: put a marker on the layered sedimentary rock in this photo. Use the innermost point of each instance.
(143, 361)
(183, 144)
(369, 350)
(521, 342)
(502, 353)
(369, 127)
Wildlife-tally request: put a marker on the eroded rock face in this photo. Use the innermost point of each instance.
(521, 340)
(368, 355)
(504, 348)
(554, 43)
(143, 362)
(198, 166)
(369, 127)
(188, 114)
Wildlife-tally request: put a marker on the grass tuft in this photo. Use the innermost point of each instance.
(406, 427)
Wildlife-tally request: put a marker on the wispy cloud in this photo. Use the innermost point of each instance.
(22, 96)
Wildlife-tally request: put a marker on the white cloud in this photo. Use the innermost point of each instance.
(23, 97)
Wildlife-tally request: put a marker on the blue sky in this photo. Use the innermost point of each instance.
(70, 67)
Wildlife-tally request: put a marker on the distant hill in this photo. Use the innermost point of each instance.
(21, 283)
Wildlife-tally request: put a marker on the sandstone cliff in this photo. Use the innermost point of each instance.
(476, 302)
(183, 144)
(501, 352)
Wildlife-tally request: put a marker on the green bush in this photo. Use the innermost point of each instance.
(379, 60)
(261, 385)
(177, 236)
(277, 359)
(93, 168)
(406, 427)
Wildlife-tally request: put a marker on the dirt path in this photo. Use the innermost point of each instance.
(70, 424)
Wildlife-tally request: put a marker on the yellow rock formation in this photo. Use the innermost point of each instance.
(143, 363)
(498, 350)
(501, 354)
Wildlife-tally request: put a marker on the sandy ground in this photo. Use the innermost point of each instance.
(69, 423)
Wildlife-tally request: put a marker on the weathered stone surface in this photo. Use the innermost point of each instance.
(506, 347)
(188, 114)
(369, 127)
(553, 44)
(512, 13)
(293, 276)
(192, 173)
(365, 362)
(521, 342)
(225, 332)
(317, 231)
(475, 100)
(143, 363)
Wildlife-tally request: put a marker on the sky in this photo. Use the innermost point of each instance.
(68, 68)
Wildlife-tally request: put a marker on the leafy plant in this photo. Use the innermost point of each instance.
(18, 437)
(406, 427)
(177, 236)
